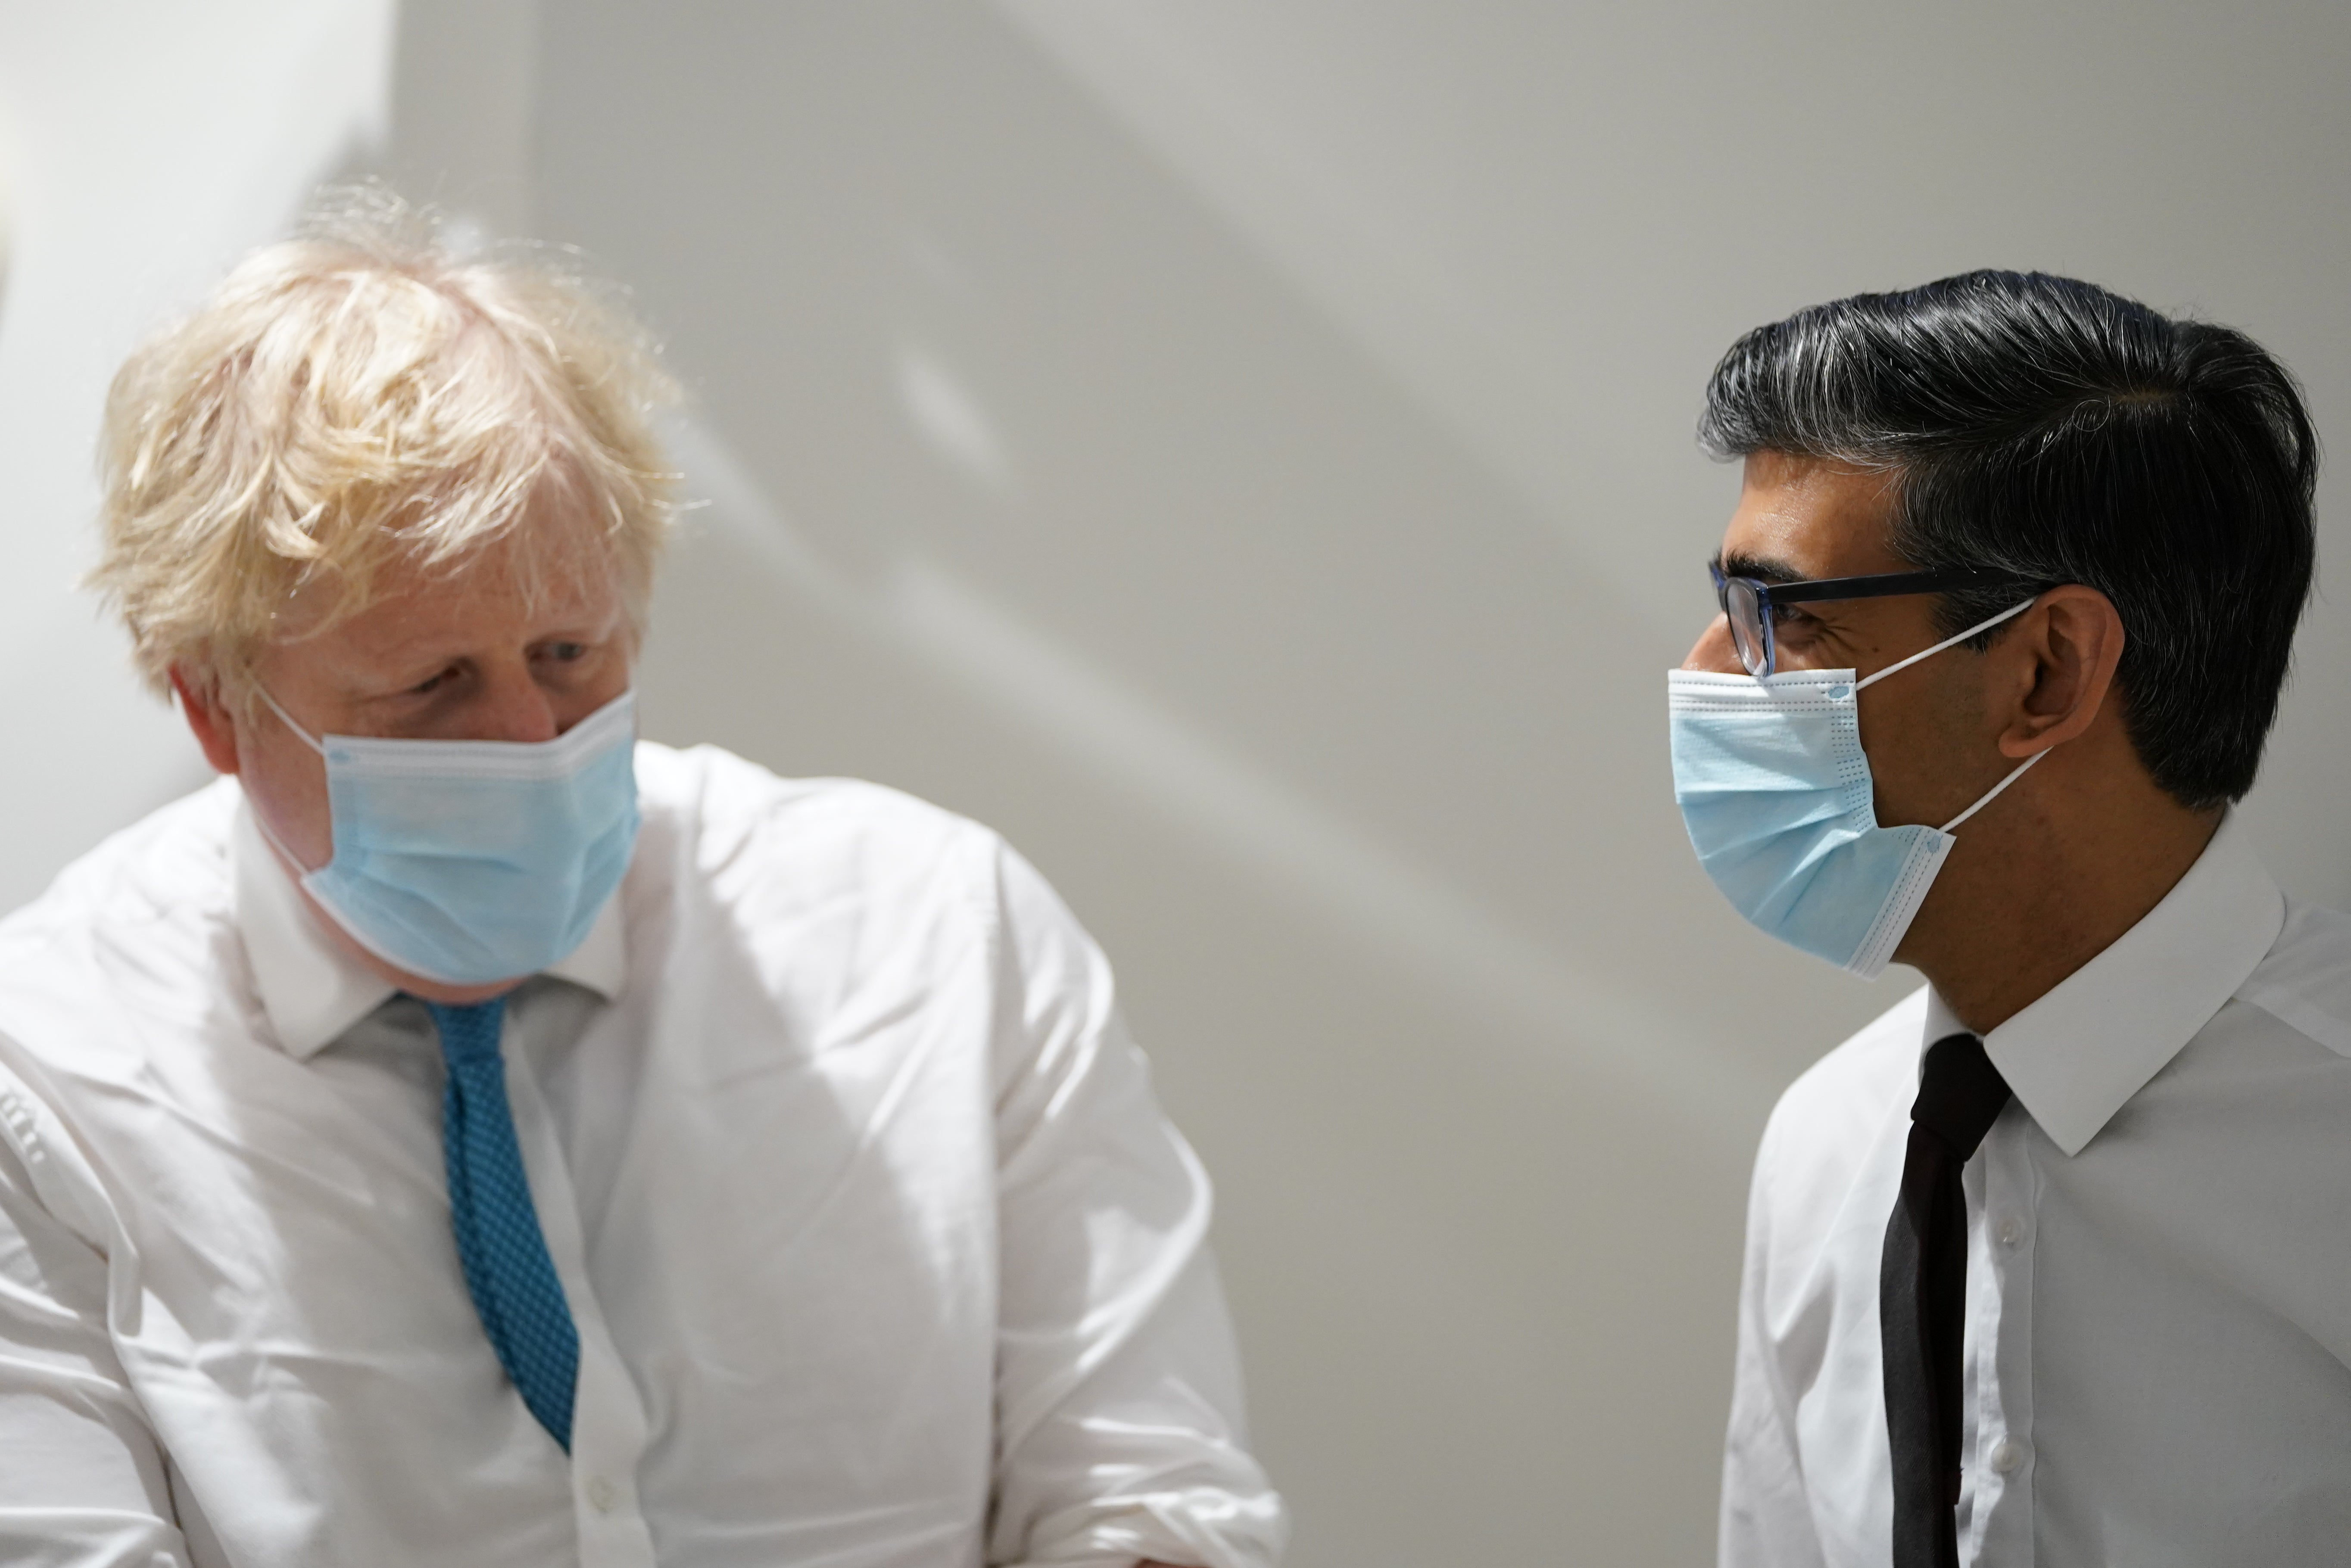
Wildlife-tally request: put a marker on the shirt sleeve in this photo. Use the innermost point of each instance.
(82, 1479)
(1120, 1431)
(1766, 1522)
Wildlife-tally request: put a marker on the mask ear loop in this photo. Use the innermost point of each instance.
(258, 820)
(1899, 664)
(2014, 773)
(320, 746)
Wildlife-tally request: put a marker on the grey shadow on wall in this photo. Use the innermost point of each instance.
(1033, 407)
(1035, 490)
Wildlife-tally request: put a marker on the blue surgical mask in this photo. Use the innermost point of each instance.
(1777, 794)
(470, 862)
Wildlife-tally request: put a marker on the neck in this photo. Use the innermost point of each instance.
(2041, 888)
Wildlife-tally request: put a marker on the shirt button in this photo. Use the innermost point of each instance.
(600, 1494)
(2006, 1455)
(2012, 1231)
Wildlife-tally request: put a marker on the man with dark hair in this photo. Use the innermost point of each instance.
(2048, 1265)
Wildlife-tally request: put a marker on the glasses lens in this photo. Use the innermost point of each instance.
(1745, 612)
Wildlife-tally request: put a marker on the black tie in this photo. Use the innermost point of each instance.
(1922, 1296)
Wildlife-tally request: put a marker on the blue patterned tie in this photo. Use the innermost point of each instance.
(498, 1241)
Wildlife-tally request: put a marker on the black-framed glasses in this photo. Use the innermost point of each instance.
(1750, 604)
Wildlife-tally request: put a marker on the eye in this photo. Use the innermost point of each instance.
(565, 652)
(433, 684)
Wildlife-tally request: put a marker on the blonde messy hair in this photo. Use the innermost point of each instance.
(364, 393)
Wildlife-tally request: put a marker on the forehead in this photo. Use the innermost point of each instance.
(1812, 518)
(542, 578)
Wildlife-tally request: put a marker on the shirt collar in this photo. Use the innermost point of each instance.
(311, 990)
(2077, 1055)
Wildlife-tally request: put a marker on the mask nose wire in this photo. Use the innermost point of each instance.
(318, 747)
(1898, 664)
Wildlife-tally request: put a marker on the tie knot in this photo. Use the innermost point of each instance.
(469, 1034)
(1961, 1092)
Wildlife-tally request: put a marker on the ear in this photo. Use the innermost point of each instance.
(2063, 652)
(207, 712)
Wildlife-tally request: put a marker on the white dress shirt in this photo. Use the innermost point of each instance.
(2158, 1320)
(881, 1252)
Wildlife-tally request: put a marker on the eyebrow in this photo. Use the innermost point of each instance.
(1739, 563)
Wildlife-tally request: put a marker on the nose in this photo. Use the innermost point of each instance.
(512, 707)
(1714, 652)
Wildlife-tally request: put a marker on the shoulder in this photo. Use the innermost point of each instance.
(162, 885)
(726, 806)
(778, 853)
(132, 942)
(1825, 1124)
(834, 885)
(2304, 980)
(731, 833)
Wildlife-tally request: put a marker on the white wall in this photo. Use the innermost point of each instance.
(1242, 453)
(142, 148)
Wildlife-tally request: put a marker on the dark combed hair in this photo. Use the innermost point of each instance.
(2052, 431)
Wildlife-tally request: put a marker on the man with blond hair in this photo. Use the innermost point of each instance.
(467, 1133)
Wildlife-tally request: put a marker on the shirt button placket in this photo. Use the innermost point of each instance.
(2003, 1344)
